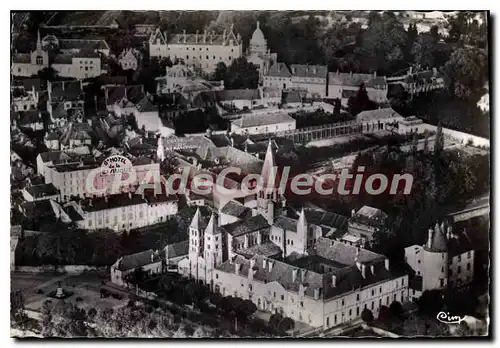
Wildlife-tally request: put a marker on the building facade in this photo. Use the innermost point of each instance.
(201, 50)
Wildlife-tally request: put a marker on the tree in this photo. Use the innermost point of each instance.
(464, 330)
(383, 313)
(47, 74)
(240, 74)
(439, 142)
(360, 102)
(220, 73)
(424, 50)
(367, 315)
(17, 304)
(426, 142)
(336, 107)
(466, 72)
(431, 302)
(396, 310)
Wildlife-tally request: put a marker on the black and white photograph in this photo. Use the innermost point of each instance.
(234, 174)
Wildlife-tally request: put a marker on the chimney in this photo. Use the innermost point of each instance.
(264, 263)
(246, 241)
(205, 36)
(316, 293)
(294, 275)
(350, 74)
(270, 263)
(259, 238)
(152, 257)
(143, 195)
(363, 270)
(334, 280)
(449, 233)
(387, 264)
(429, 239)
(130, 195)
(184, 35)
(232, 141)
(353, 212)
(212, 37)
(270, 212)
(372, 269)
(252, 263)
(237, 268)
(374, 74)
(196, 39)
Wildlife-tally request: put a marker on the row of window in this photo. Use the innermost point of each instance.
(207, 57)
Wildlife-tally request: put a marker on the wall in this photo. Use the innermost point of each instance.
(270, 128)
(459, 136)
(60, 269)
(466, 275)
(435, 269)
(278, 82)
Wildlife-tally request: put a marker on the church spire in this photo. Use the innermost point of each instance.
(269, 168)
(38, 42)
(302, 219)
(212, 225)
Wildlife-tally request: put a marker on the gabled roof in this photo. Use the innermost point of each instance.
(146, 105)
(279, 70)
(369, 215)
(378, 114)
(43, 190)
(355, 80)
(240, 228)
(134, 261)
(310, 71)
(115, 94)
(235, 209)
(177, 249)
(238, 94)
(286, 223)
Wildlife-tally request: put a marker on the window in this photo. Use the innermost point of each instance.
(357, 311)
(380, 302)
(403, 282)
(302, 304)
(357, 297)
(214, 57)
(327, 321)
(250, 287)
(442, 269)
(350, 312)
(380, 290)
(468, 254)
(468, 266)
(216, 275)
(207, 64)
(418, 261)
(450, 273)
(187, 57)
(282, 297)
(342, 302)
(335, 319)
(274, 294)
(441, 282)
(459, 258)
(459, 269)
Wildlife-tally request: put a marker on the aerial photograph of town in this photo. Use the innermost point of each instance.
(250, 174)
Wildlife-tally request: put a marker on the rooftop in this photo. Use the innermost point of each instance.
(134, 261)
(40, 191)
(240, 228)
(263, 119)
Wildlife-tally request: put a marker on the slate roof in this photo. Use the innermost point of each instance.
(279, 70)
(114, 94)
(369, 215)
(323, 218)
(378, 114)
(286, 223)
(267, 249)
(134, 261)
(343, 253)
(63, 59)
(21, 58)
(66, 90)
(25, 118)
(261, 119)
(240, 228)
(73, 214)
(43, 190)
(82, 44)
(238, 94)
(177, 249)
(198, 221)
(216, 39)
(236, 209)
(439, 242)
(309, 71)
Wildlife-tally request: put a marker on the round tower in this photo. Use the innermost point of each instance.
(435, 259)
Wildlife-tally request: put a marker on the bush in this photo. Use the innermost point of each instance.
(79, 299)
(395, 310)
(383, 313)
(367, 315)
(286, 324)
(130, 303)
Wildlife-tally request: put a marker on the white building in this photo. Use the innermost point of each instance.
(278, 76)
(310, 78)
(446, 260)
(346, 85)
(126, 211)
(203, 51)
(379, 119)
(262, 123)
(28, 64)
(239, 98)
(129, 59)
(148, 261)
